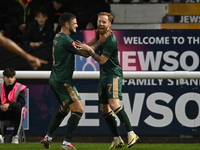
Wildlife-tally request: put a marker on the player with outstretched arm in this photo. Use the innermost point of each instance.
(64, 50)
(13, 47)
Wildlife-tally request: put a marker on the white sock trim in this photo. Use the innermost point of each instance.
(66, 143)
(116, 137)
(130, 132)
(49, 138)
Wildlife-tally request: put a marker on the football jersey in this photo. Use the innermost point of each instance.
(63, 58)
(110, 49)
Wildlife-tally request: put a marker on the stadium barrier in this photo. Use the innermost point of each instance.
(140, 104)
(126, 74)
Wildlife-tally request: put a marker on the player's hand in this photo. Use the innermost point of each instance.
(4, 107)
(103, 37)
(82, 46)
(35, 62)
(35, 44)
(32, 44)
(38, 43)
(22, 27)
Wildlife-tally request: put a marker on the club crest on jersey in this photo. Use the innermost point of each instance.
(73, 44)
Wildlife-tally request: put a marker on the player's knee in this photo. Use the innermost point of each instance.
(78, 108)
(82, 110)
(114, 104)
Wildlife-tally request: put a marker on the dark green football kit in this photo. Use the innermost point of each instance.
(110, 83)
(60, 80)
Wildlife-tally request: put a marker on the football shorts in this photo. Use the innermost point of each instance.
(110, 87)
(65, 93)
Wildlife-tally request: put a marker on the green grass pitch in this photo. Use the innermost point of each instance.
(100, 146)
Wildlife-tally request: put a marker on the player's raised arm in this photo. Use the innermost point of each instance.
(13, 47)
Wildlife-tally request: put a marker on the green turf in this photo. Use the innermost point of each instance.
(101, 146)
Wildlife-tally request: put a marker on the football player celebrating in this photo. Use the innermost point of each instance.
(60, 80)
(110, 84)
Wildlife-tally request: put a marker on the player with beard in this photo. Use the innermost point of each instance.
(61, 81)
(64, 50)
(110, 84)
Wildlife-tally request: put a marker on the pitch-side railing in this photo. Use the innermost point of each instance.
(126, 74)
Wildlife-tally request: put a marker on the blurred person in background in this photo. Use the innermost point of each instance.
(32, 6)
(14, 25)
(58, 8)
(3, 14)
(87, 11)
(40, 31)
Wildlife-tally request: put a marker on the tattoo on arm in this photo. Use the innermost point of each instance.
(94, 55)
(96, 45)
(83, 53)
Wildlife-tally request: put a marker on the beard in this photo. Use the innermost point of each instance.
(72, 31)
(102, 30)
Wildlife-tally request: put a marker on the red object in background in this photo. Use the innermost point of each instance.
(26, 2)
(3, 32)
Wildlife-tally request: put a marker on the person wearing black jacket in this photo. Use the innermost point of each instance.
(13, 19)
(12, 101)
(86, 12)
(41, 31)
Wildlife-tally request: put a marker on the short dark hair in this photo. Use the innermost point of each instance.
(9, 72)
(66, 17)
(42, 10)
